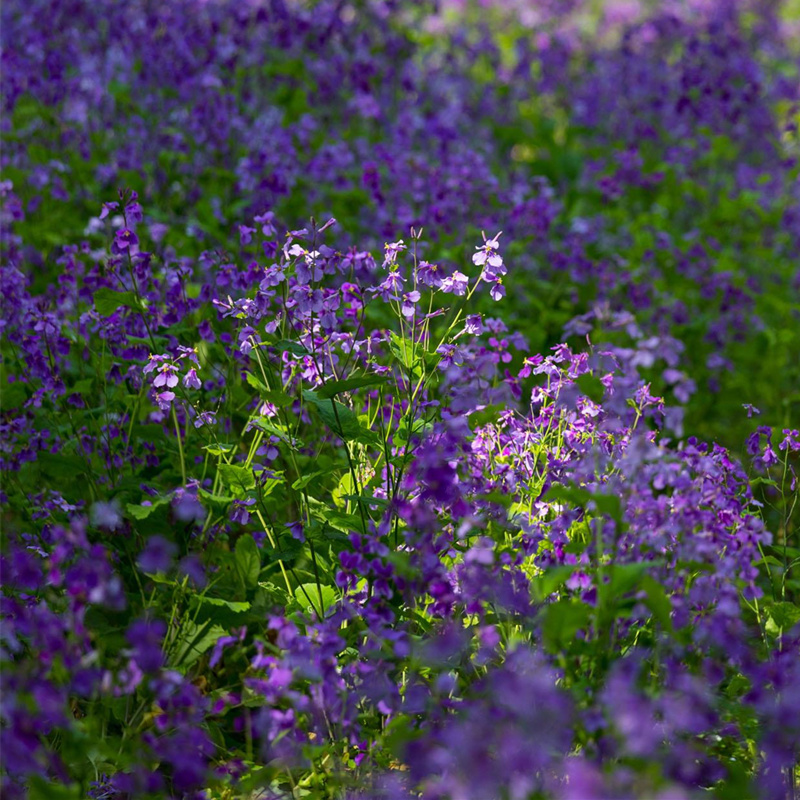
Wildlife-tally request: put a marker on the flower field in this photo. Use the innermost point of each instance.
(400, 399)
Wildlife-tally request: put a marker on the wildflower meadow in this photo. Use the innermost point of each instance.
(400, 399)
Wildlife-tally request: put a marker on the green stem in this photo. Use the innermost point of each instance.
(180, 444)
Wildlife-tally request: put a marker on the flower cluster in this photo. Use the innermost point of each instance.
(335, 509)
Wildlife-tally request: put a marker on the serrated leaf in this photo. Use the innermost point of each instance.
(657, 601)
(332, 388)
(83, 387)
(248, 561)
(347, 523)
(275, 430)
(143, 512)
(591, 386)
(310, 590)
(107, 301)
(288, 346)
(340, 419)
(237, 478)
(277, 397)
(608, 504)
(782, 616)
(236, 606)
(302, 482)
(196, 640)
(542, 586)
(13, 395)
(218, 449)
(215, 502)
(562, 620)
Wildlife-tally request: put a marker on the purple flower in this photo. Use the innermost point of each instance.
(770, 456)
(409, 299)
(222, 643)
(166, 377)
(266, 221)
(186, 507)
(124, 239)
(450, 355)
(296, 529)
(456, 284)
(145, 637)
(108, 208)
(487, 252)
(791, 440)
(473, 324)
(246, 234)
(391, 251)
(164, 400)
(428, 275)
(205, 418)
(157, 555)
(190, 380)
(192, 567)
(498, 291)
(388, 289)
(106, 515)
(133, 211)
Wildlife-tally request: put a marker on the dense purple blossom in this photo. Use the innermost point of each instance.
(337, 506)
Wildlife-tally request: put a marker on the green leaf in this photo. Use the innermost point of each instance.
(214, 502)
(61, 465)
(83, 387)
(758, 481)
(367, 502)
(237, 607)
(39, 788)
(329, 597)
(623, 579)
(196, 640)
(143, 512)
(340, 419)
(248, 561)
(107, 301)
(220, 449)
(591, 386)
(289, 552)
(280, 431)
(332, 388)
(405, 351)
(277, 397)
(657, 601)
(347, 523)
(782, 616)
(418, 429)
(609, 504)
(13, 395)
(236, 477)
(287, 345)
(562, 620)
(542, 586)
(301, 483)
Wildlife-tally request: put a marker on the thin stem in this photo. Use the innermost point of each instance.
(180, 444)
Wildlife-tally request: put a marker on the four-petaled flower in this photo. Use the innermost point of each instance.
(391, 251)
(456, 284)
(409, 300)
